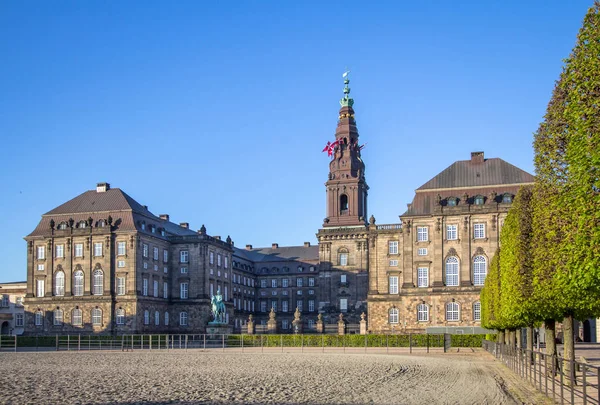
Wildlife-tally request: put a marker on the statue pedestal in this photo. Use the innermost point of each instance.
(214, 329)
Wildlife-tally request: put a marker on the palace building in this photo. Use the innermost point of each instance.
(104, 263)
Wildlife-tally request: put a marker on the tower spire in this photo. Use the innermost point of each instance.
(347, 101)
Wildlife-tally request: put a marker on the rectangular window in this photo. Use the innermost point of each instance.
(393, 247)
(219, 260)
(274, 283)
(120, 285)
(284, 306)
(422, 234)
(183, 256)
(393, 285)
(39, 318)
(299, 282)
(155, 253)
(343, 278)
(165, 256)
(263, 283)
(225, 294)
(311, 305)
(60, 251)
(145, 287)
(311, 281)
(285, 282)
(343, 304)
(145, 265)
(121, 263)
(343, 259)
(165, 290)
(184, 270)
(41, 267)
(422, 252)
(19, 320)
(423, 277)
(58, 317)
(479, 231)
(40, 291)
(394, 263)
(285, 324)
(211, 258)
(263, 306)
(79, 250)
(165, 269)
(183, 291)
(299, 305)
(41, 252)
(226, 262)
(451, 232)
(274, 305)
(155, 288)
(4, 300)
(121, 248)
(212, 289)
(477, 311)
(145, 250)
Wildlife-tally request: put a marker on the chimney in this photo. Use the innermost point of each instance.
(102, 187)
(306, 244)
(145, 207)
(275, 245)
(477, 157)
(164, 217)
(218, 237)
(248, 247)
(185, 225)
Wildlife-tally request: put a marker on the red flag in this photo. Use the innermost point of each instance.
(326, 147)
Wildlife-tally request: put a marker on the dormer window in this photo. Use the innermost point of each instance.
(101, 223)
(152, 229)
(451, 202)
(478, 200)
(162, 232)
(81, 224)
(143, 226)
(62, 226)
(507, 198)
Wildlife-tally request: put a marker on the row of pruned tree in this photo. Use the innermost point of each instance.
(548, 267)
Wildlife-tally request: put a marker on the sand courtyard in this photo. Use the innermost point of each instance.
(195, 377)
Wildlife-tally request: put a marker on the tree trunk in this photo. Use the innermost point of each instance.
(550, 326)
(500, 337)
(530, 344)
(507, 337)
(569, 345)
(518, 336)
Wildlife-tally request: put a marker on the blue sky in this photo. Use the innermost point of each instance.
(216, 112)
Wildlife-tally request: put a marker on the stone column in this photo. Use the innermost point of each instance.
(272, 322)
(250, 325)
(363, 324)
(320, 323)
(341, 325)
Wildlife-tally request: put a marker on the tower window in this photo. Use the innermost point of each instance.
(343, 204)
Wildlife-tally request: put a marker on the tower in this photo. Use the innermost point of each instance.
(346, 187)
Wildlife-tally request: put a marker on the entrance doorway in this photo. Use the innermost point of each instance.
(5, 328)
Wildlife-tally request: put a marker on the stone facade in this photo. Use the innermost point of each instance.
(12, 312)
(103, 263)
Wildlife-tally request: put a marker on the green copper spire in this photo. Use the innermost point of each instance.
(347, 101)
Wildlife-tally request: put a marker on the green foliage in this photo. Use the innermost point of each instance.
(516, 272)
(467, 340)
(491, 314)
(566, 213)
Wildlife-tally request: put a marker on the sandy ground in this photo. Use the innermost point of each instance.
(196, 377)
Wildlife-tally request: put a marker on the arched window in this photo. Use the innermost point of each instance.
(183, 318)
(393, 315)
(422, 313)
(166, 319)
(479, 270)
(101, 223)
(451, 202)
(78, 283)
(120, 316)
(452, 271)
(477, 311)
(343, 257)
(146, 317)
(58, 317)
(343, 204)
(96, 317)
(81, 224)
(39, 318)
(62, 226)
(98, 282)
(452, 313)
(59, 284)
(76, 318)
(507, 198)
(479, 200)
(156, 318)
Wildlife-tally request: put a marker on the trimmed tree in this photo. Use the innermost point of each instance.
(516, 270)
(491, 314)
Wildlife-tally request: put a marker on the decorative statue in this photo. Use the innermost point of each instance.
(218, 307)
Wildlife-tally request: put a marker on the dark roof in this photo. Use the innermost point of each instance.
(126, 212)
(92, 201)
(470, 173)
(281, 254)
(14, 282)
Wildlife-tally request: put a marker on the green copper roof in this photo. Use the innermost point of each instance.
(347, 101)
